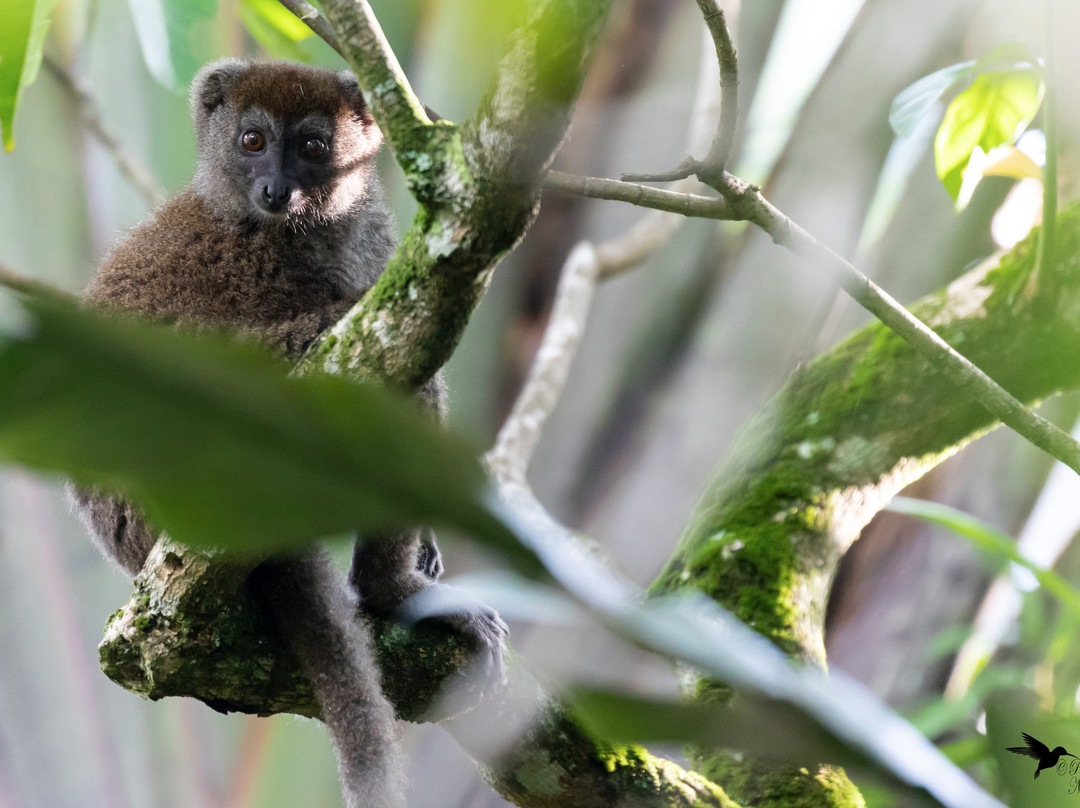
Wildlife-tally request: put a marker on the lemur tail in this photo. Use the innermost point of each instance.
(306, 596)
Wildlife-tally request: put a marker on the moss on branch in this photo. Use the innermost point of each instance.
(477, 186)
(848, 431)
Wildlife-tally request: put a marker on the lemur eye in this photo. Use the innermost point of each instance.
(253, 141)
(314, 149)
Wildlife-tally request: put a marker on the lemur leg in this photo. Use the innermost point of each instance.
(118, 530)
(388, 570)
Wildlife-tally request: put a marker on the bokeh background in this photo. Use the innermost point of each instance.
(677, 354)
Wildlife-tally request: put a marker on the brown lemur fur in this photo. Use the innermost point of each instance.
(281, 231)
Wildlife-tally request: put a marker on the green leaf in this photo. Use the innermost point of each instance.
(915, 100)
(166, 31)
(275, 28)
(993, 111)
(220, 446)
(281, 19)
(989, 539)
(22, 39)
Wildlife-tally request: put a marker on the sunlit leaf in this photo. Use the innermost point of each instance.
(1002, 161)
(220, 446)
(275, 28)
(283, 20)
(22, 37)
(993, 111)
(1009, 161)
(918, 98)
(989, 539)
(166, 30)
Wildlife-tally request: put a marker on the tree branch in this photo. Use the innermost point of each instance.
(18, 282)
(702, 207)
(387, 91)
(477, 189)
(191, 629)
(967, 376)
(840, 438)
(310, 16)
(720, 150)
(744, 202)
(130, 167)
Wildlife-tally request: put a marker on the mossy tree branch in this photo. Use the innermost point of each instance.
(846, 433)
(826, 467)
(191, 628)
(476, 185)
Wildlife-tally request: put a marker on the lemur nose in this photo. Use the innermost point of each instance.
(276, 193)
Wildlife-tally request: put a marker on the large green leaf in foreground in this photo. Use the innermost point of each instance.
(218, 444)
(223, 448)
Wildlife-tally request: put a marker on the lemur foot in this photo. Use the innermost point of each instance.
(474, 622)
(428, 558)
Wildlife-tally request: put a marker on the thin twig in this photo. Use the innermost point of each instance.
(17, 282)
(720, 151)
(586, 265)
(750, 205)
(130, 167)
(702, 207)
(309, 15)
(509, 457)
(744, 202)
(687, 168)
(1045, 251)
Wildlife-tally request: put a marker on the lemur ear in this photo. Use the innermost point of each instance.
(351, 90)
(212, 85)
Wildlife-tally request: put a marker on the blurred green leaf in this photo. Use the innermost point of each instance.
(165, 30)
(993, 111)
(22, 37)
(967, 751)
(770, 730)
(834, 712)
(223, 448)
(915, 100)
(283, 21)
(989, 539)
(275, 28)
(220, 446)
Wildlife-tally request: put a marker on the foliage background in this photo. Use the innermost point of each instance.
(677, 355)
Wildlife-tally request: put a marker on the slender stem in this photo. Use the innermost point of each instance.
(18, 282)
(509, 457)
(687, 168)
(744, 202)
(130, 167)
(967, 376)
(720, 150)
(703, 207)
(1045, 254)
(308, 14)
